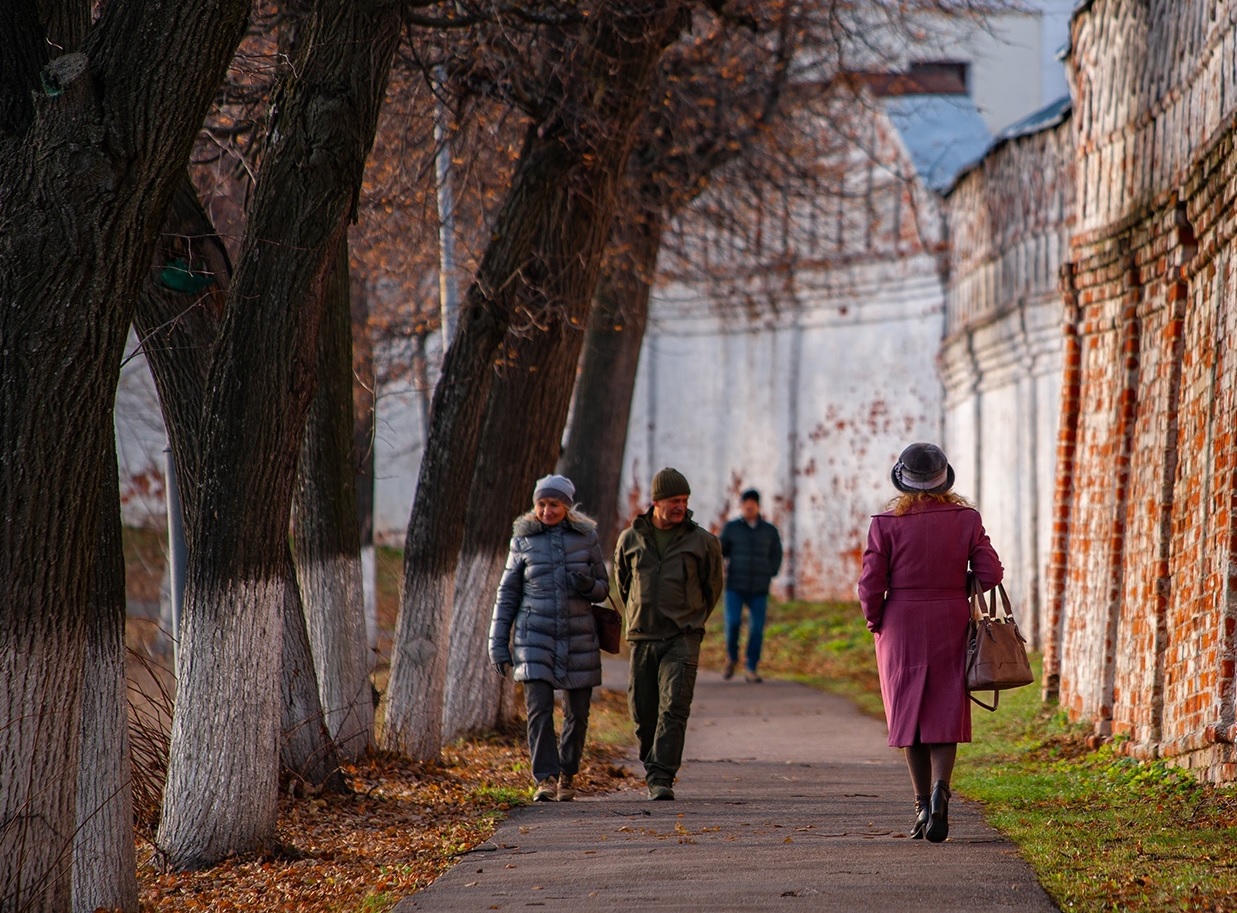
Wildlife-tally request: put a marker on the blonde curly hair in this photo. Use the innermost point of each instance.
(911, 502)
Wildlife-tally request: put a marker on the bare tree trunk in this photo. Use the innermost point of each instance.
(593, 457)
(561, 200)
(257, 398)
(364, 400)
(520, 442)
(90, 147)
(328, 547)
(104, 866)
(177, 320)
(306, 751)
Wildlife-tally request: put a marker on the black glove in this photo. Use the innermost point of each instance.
(583, 583)
(502, 669)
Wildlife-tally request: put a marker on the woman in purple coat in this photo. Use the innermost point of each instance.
(913, 590)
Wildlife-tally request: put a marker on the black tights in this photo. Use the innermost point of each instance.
(929, 764)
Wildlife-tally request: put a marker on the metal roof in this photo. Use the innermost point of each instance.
(942, 133)
(1047, 117)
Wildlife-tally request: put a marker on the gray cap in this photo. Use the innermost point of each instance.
(922, 468)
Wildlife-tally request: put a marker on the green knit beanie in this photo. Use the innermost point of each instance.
(670, 483)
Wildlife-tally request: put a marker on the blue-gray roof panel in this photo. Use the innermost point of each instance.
(942, 133)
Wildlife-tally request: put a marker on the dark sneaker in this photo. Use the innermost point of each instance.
(566, 788)
(660, 792)
(728, 670)
(547, 790)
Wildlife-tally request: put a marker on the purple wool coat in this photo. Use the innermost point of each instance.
(913, 593)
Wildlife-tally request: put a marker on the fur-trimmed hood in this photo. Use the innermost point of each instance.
(528, 524)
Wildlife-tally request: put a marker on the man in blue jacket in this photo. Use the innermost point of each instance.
(753, 552)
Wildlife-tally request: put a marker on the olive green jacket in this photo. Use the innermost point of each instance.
(668, 594)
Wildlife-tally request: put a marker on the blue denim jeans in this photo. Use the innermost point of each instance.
(756, 606)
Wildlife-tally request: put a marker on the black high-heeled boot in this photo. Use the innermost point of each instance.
(921, 817)
(938, 813)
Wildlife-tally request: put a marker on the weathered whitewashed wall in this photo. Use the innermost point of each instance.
(1009, 227)
(804, 383)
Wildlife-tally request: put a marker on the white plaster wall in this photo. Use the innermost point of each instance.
(1012, 57)
(1003, 387)
(811, 407)
(398, 442)
(140, 442)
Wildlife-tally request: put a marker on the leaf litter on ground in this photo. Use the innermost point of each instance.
(402, 825)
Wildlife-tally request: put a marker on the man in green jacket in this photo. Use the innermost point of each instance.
(669, 572)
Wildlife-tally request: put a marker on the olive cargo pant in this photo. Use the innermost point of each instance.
(659, 693)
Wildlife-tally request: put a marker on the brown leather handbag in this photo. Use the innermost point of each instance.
(609, 626)
(996, 655)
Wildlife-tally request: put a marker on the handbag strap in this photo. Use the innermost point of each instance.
(975, 594)
(1006, 610)
(996, 700)
(613, 604)
(989, 612)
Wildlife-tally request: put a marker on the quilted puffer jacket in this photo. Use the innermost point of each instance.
(542, 624)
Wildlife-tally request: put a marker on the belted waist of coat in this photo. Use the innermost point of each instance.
(916, 594)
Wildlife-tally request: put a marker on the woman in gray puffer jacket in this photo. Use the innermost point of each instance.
(554, 572)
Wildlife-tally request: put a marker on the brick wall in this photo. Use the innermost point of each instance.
(1141, 604)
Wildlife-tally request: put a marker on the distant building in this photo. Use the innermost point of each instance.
(800, 355)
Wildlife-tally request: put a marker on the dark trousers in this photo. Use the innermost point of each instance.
(659, 694)
(552, 756)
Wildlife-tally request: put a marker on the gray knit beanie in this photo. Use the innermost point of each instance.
(670, 483)
(557, 487)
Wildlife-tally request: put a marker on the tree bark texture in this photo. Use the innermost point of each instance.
(597, 441)
(177, 319)
(306, 751)
(542, 257)
(327, 537)
(104, 866)
(524, 422)
(222, 772)
(91, 144)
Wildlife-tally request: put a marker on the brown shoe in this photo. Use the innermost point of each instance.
(728, 670)
(751, 677)
(547, 790)
(566, 787)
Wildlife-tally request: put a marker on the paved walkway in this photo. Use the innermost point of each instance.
(788, 799)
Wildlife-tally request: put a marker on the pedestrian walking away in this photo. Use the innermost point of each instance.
(752, 549)
(913, 591)
(554, 572)
(669, 574)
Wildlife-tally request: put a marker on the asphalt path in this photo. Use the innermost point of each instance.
(788, 799)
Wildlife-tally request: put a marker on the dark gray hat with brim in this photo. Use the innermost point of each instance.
(922, 468)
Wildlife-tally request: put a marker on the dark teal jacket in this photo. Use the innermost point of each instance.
(753, 555)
